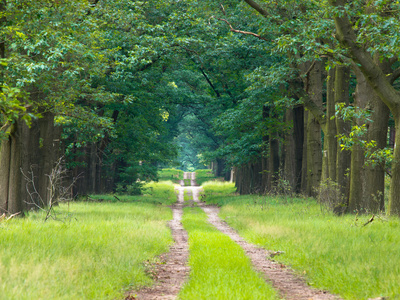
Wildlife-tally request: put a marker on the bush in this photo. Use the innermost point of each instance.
(132, 189)
(330, 198)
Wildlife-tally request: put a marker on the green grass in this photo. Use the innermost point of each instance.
(97, 254)
(219, 267)
(162, 192)
(173, 175)
(204, 175)
(216, 191)
(335, 253)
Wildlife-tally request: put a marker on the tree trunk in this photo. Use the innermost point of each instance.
(357, 176)
(377, 131)
(273, 161)
(47, 156)
(375, 175)
(394, 203)
(314, 146)
(288, 151)
(304, 172)
(264, 155)
(298, 133)
(342, 86)
(380, 82)
(331, 132)
(5, 157)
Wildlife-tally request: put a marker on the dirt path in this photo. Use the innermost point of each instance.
(171, 275)
(283, 279)
(173, 270)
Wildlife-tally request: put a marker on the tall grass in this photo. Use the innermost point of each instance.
(97, 254)
(163, 192)
(214, 191)
(204, 175)
(219, 267)
(335, 253)
(173, 175)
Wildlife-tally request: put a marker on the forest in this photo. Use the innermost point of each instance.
(132, 122)
(281, 96)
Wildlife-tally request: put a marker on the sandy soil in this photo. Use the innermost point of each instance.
(171, 275)
(173, 271)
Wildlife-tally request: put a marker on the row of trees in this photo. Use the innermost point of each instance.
(314, 103)
(285, 93)
(73, 85)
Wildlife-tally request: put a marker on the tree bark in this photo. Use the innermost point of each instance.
(5, 156)
(288, 151)
(314, 146)
(357, 175)
(298, 132)
(377, 131)
(342, 86)
(331, 132)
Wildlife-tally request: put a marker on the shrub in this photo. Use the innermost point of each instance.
(330, 198)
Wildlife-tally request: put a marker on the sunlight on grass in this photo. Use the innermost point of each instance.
(163, 192)
(215, 190)
(335, 253)
(204, 175)
(97, 254)
(173, 175)
(219, 267)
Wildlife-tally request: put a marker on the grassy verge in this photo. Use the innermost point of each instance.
(173, 175)
(97, 254)
(335, 253)
(204, 175)
(219, 267)
(214, 192)
(162, 192)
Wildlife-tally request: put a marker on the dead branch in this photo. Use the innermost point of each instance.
(236, 30)
(57, 191)
(370, 220)
(13, 215)
(4, 217)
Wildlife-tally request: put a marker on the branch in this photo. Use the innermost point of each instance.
(395, 74)
(257, 7)
(369, 221)
(239, 31)
(373, 73)
(317, 112)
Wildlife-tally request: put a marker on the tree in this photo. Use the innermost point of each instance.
(380, 82)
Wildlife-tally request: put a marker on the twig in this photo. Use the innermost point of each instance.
(236, 30)
(370, 220)
(117, 198)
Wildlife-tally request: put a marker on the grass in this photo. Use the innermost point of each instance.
(173, 175)
(204, 175)
(335, 253)
(162, 192)
(216, 191)
(97, 254)
(219, 267)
